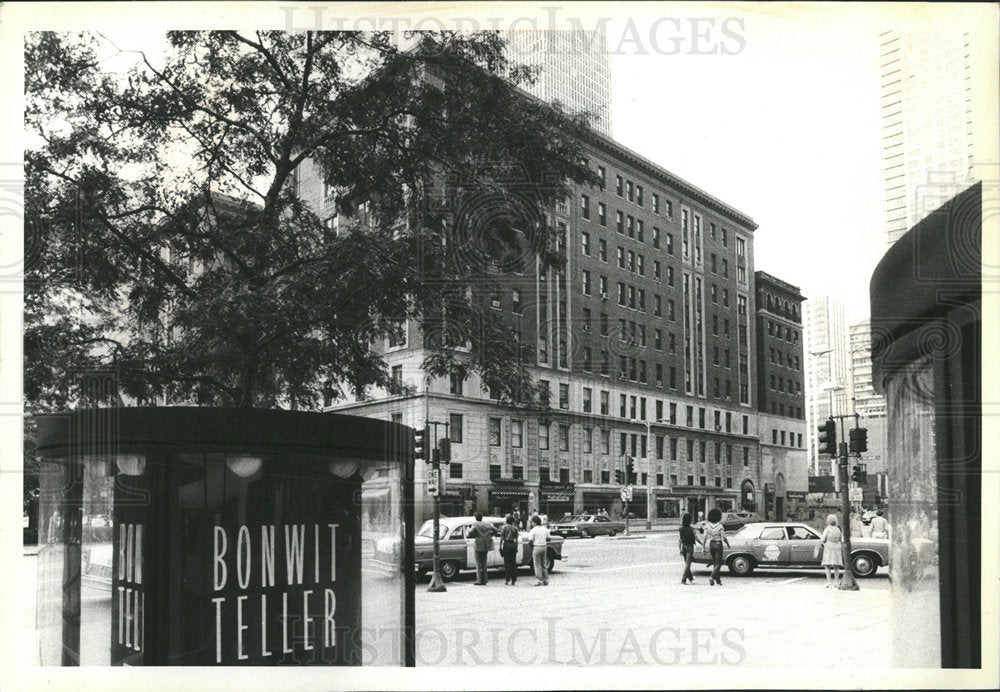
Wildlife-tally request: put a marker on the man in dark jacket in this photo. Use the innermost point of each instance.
(483, 534)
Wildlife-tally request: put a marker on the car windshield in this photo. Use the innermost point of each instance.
(427, 530)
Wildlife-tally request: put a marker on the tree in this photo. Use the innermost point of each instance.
(170, 243)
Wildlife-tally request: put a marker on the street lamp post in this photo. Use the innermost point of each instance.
(650, 504)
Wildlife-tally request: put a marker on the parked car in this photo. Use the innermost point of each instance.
(791, 545)
(457, 552)
(587, 526)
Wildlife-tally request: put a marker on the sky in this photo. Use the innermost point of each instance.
(787, 130)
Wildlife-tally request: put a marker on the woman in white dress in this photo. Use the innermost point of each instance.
(833, 554)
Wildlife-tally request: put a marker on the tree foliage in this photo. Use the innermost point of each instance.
(171, 239)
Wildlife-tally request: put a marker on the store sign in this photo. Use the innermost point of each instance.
(796, 494)
(274, 591)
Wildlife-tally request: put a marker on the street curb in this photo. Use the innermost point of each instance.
(627, 538)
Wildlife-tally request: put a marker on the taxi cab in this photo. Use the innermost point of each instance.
(780, 545)
(457, 551)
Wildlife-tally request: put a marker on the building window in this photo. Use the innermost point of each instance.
(673, 449)
(659, 449)
(619, 185)
(670, 244)
(585, 206)
(588, 439)
(564, 396)
(630, 190)
(564, 475)
(517, 472)
(585, 243)
(621, 257)
(656, 210)
(494, 472)
(457, 378)
(746, 456)
(690, 480)
(689, 418)
(622, 406)
(670, 309)
(588, 399)
(602, 174)
(517, 433)
(494, 432)
(586, 282)
(563, 438)
(543, 473)
(588, 476)
(702, 447)
(605, 441)
(454, 470)
(602, 214)
(397, 377)
(638, 195)
(602, 250)
(605, 477)
(455, 428)
(543, 435)
(620, 222)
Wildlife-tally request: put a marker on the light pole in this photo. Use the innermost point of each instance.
(650, 504)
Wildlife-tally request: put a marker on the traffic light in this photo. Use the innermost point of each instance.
(619, 477)
(630, 475)
(858, 440)
(420, 438)
(445, 447)
(856, 472)
(828, 438)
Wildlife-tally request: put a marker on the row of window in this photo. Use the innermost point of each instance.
(626, 225)
(634, 444)
(604, 476)
(634, 407)
(775, 304)
(779, 384)
(779, 408)
(779, 357)
(791, 438)
(779, 331)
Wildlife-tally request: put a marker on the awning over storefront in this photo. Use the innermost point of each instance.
(509, 492)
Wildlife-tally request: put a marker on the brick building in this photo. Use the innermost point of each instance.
(781, 396)
(646, 328)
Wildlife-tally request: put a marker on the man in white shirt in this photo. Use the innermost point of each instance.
(539, 537)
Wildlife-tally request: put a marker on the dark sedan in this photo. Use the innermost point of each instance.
(587, 525)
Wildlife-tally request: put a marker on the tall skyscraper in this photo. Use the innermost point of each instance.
(574, 69)
(828, 381)
(927, 122)
(866, 402)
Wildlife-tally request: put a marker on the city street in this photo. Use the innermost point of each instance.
(619, 601)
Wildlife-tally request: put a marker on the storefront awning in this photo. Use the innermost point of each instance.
(509, 492)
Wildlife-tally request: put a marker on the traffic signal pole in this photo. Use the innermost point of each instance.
(847, 583)
(437, 582)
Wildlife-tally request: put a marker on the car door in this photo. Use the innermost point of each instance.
(599, 526)
(802, 543)
(771, 546)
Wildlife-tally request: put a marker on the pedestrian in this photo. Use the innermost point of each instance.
(483, 534)
(508, 550)
(539, 538)
(880, 526)
(686, 545)
(856, 526)
(715, 538)
(833, 554)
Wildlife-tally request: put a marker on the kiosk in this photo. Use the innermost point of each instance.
(205, 536)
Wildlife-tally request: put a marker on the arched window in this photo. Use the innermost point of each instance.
(770, 305)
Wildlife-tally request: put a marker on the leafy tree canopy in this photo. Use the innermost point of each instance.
(171, 239)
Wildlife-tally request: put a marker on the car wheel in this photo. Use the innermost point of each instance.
(740, 565)
(550, 563)
(612, 532)
(449, 568)
(863, 565)
(584, 533)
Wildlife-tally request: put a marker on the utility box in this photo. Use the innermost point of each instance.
(206, 537)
